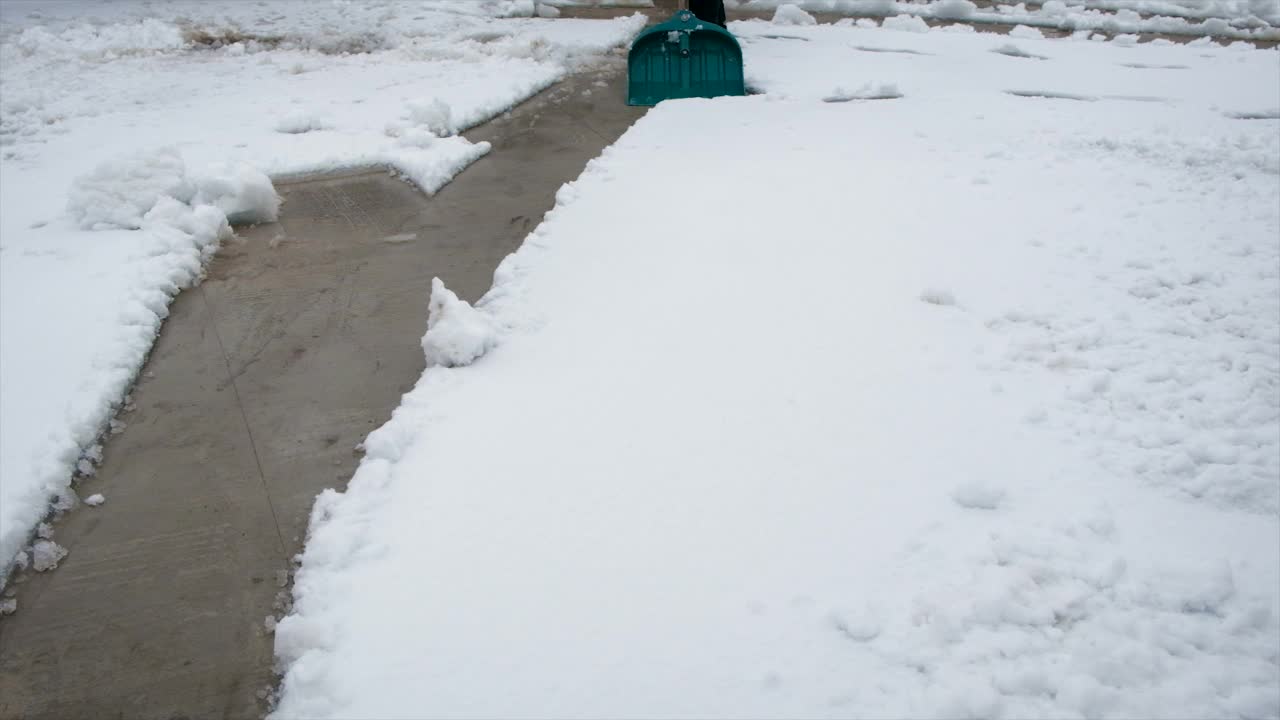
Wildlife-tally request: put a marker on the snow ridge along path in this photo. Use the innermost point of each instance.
(129, 144)
(944, 382)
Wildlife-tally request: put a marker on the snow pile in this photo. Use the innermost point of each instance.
(457, 333)
(435, 116)
(1002, 441)
(121, 192)
(133, 134)
(242, 192)
(905, 23)
(1024, 32)
(792, 15)
(99, 43)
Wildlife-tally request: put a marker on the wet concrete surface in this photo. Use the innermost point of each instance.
(261, 384)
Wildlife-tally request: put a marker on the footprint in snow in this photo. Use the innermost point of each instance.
(902, 51)
(884, 91)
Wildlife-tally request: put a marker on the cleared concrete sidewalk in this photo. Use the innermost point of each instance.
(261, 384)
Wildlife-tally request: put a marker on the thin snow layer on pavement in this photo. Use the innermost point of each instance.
(130, 143)
(957, 403)
(1237, 19)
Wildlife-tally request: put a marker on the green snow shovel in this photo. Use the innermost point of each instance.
(683, 57)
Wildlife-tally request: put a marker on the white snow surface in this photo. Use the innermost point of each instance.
(1235, 19)
(959, 402)
(133, 133)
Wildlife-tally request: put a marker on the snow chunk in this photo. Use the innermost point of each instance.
(792, 15)
(46, 554)
(430, 162)
(95, 500)
(119, 192)
(457, 334)
(202, 225)
(8, 606)
(65, 500)
(301, 122)
(435, 116)
(414, 137)
(978, 496)
(906, 23)
(242, 192)
(1024, 32)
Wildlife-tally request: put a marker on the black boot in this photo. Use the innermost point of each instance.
(711, 11)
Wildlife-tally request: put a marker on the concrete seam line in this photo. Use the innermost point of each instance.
(253, 443)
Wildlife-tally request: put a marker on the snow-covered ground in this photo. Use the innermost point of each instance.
(132, 132)
(1236, 19)
(940, 379)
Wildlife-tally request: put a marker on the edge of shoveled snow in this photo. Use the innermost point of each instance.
(338, 519)
(173, 240)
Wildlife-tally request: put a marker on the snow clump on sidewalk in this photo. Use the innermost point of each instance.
(457, 334)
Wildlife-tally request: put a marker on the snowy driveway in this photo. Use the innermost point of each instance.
(944, 384)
